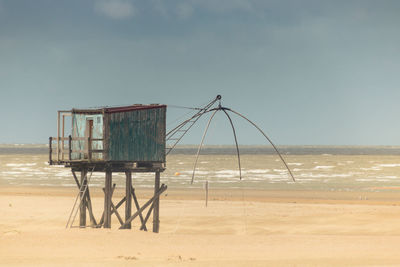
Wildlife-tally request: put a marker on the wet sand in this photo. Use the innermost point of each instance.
(238, 228)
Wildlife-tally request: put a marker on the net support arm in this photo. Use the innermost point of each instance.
(236, 142)
(269, 140)
(201, 144)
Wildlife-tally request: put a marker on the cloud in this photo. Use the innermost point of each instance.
(160, 8)
(225, 6)
(184, 10)
(115, 9)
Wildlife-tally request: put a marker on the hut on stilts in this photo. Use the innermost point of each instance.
(126, 139)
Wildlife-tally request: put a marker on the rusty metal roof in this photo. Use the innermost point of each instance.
(133, 107)
(117, 109)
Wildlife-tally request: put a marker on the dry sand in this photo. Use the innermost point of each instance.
(238, 228)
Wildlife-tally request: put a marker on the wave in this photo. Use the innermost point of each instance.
(20, 164)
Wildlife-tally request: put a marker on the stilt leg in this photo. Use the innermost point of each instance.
(107, 200)
(82, 209)
(156, 210)
(148, 203)
(128, 204)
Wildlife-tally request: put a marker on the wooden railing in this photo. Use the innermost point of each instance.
(61, 150)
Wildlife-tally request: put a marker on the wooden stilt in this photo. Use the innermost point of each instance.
(107, 200)
(156, 210)
(162, 189)
(88, 200)
(82, 208)
(128, 204)
(116, 207)
(130, 199)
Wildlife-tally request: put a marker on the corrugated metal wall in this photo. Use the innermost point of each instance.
(137, 135)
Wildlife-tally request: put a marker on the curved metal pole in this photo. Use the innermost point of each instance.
(236, 142)
(269, 140)
(201, 143)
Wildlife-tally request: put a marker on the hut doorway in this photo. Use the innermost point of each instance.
(88, 137)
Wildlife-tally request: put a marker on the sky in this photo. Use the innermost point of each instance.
(311, 72)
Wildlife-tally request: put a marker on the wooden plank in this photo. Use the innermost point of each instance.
(62, 136)
(162, 189)
(117, 206)
(70, 147)
(76, 179)
(107, 200)
(117, 213)
(58, 135)
(128, 192)
(84, 139)
(50, 150)
(82, 206)
(88, 200)
(76, 139)
(89, 207)
(156, 211)
(85, 151)
(114, 209)
(89, 148)
(143, 227)
(121, 202)
(138, 208)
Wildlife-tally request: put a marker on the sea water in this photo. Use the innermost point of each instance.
(314, 168)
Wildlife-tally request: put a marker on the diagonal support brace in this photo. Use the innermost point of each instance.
(159, 192)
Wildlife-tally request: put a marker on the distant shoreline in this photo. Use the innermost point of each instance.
(244, 149)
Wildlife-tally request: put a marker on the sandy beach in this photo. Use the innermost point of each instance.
(238, 228)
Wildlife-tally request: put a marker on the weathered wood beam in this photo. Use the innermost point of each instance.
(117, 206)
(162, 189)
(82, 206)
(70, 147)
(114, 209)
(88, 200)
(156, 211)
(128, 204)
(138, 208)
(143, 227)
(50, 150)
(107, 200)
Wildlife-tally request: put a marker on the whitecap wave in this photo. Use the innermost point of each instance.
(323, 167)
(20, 164)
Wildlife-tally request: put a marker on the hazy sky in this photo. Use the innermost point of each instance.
(307, 72)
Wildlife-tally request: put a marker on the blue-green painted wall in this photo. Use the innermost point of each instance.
(137, 135)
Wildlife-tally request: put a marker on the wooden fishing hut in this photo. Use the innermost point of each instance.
(126, 139)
